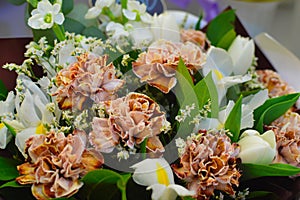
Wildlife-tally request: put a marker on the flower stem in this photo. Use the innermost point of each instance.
(144, 149)
(124, 4)
(59, 32)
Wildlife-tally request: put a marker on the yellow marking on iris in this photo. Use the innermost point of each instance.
(218, 74)
(162, 175)
(220, 126)
(2, 125)
(40, 129)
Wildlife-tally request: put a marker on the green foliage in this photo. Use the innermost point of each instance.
(93, 31)
(106, 179)
(273, 109)
(67, 6)
(10, 129)
(220, 30)
(233, 122)
(3, 91)
(198, 24)
(251, 171)
(33, 3)
(13, 184)
(205, 90)
(8, 169)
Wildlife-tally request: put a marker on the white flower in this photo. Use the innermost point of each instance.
(97, 9)
(158, 176)
(116, 30)
(32, 113)
(136, 11)
(164, 26)
(220, 63)
(242, 54)
(45, 15)
(6, 108)
(256, 148)
(250, 103)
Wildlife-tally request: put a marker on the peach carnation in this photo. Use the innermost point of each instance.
(55, 164)
(132, 119)
(90, 78)
(209, 163)
(158, 65)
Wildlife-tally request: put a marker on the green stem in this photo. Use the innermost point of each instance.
(124, 194)
(124, 4)
(106, 11)
(144, 149)
(59, 32)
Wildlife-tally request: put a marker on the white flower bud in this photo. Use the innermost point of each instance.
(256, 148)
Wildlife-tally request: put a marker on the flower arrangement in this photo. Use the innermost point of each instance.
(132, 106)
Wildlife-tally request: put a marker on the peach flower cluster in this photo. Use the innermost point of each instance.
(131, 120)
(90, 78)
(194, 36)
(55, 164)
(158, 65)
(209, 163)
(287, 132)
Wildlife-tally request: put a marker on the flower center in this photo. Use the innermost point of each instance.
(40, 129)
(1, 125)
(162, 175)
(48, 18)
(218, 74)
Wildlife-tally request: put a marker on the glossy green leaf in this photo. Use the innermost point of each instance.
(205, 90)
(16, 2)
(3, 91)
(67, 6)
(227, 39)
(273, 109)
(10, 129)
(48, 33)
(33, 3)
(233, 121)
(105, 176)
(93, 31)
(8, 169)
(198, 24)
(251, 171)
(182, 69)
(13, 184)
(221, 29)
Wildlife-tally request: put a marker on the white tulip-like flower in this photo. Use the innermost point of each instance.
(249, 104)
(157, 175)
(98, 8)
(136, 11)
(6, 108)
(256, 148)
(32, 114)
(221, 64)
(45, 15)
(241, 52)
(116, 30)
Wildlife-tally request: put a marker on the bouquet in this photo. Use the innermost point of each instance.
(112, 102)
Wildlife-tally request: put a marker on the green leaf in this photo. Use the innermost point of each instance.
(93, 31)
(16, 2)
(73, 26)
(67, 6)
(233, 121)
(198, 24)
(205, 90)
(13, 184)
(273, 109)
(227, 39)
(10, 128)
(182, 69)
(257, 194)
(33, 3)
(221, 29)
(105, 176)
(48, 33)
(8, 169)
(251, 171)
(3, 91)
